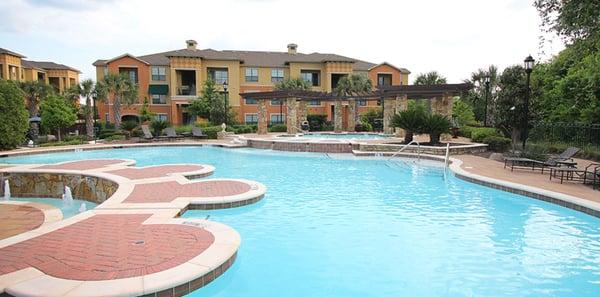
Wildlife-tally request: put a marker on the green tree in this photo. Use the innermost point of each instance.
(510, 105)
(87, 90)
(57, 113)
(14, 121)
(463, 112)
(411, 120)
(573, 20)
(145, 115)
(293, 84)
(476, 95)
(210, 105)
(118, 90)
(350, 86)
(435, 125)
(430, 78)
(35, 92)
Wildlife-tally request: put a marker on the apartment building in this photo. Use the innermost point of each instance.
(169, 80)
(13, 66)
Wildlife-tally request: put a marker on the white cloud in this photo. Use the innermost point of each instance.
(452, 37)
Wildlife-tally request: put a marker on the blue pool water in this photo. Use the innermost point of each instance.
(344, 226)
(67, 210)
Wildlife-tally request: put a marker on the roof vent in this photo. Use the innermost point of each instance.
(292, 47)
(191, 44)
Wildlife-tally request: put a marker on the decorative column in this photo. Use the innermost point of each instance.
(337, 117)
(401, 105)
(442, 105)
(351, 115)
(291, 120)
(302, 112)
(262, 116)
(389, 109)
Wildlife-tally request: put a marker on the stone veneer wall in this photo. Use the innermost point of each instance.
(303, 146)
(456, 150)
(90, 188)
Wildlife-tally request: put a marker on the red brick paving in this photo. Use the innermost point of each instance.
(168, 191)
(154, 171)
(82, 165)
(104, 247)
(16, 219)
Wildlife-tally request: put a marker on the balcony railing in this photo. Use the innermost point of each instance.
(186, 90)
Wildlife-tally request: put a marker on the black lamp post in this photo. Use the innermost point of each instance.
(528, 69)
(280, 111)
(486, 80)
(226, 98)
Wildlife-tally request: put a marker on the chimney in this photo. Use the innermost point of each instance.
(292, 48)
(191, 44)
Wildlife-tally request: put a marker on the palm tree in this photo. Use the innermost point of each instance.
(122, 90)
(350, 86)
(35, 92)
(411, 120)
(430, 78)
(293, 84)
(87, 90)
(476, 96)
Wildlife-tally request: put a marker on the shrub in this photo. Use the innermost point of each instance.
(211, 131)
(316, 121)
(278, 128)
(497, 143)
(59, 143)
(14, 119)
(371, 116)
(183, 129)
(479, 134)
(412, 120)
(76, 137)
(157, 126)
(116, 137)
(328, 126)
(243, 129)
(435, 125)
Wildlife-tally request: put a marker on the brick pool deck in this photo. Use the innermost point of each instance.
(131, 244)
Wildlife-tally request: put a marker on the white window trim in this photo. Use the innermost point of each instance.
(250, 113)
(251, 104)
(283, 117)
(152, 102)
(158, 114)
(282, 102)
(310, 105)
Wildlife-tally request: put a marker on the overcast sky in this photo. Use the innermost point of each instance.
(453, 37)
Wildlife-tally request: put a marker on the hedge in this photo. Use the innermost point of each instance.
(278, 128)
(497, 143)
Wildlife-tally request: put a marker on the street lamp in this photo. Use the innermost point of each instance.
(528, 69)
(225, 97)
(486, 80)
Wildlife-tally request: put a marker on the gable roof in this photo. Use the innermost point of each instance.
(402, 70)
(251, 58)
(47, 65)
(5, 51)
(127, 55)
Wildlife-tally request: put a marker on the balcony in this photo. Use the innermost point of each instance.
(186, 83)
(189, 90)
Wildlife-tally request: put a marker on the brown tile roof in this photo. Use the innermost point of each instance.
(48, 65)
(30, 64)
(251, 58)
(5, 51)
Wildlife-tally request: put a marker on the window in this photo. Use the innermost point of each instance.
(105, 71)
(250, 101)
(106, 118)
(161, 116)
(314, 102)
(384, 79)
(218, 75)
(311, 76)
(276, 75)
(251, 118)
(277, 118)
(131, 72)
(276, 102)
(362, 102)
(159, 99)
(251, 74)
(1, 72)
(159, 73)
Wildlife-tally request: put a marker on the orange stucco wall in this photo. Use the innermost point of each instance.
(386, 69)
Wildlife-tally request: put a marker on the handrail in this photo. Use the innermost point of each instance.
(447, 156)
(406, 146)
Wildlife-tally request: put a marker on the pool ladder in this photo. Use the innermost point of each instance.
(406, 146)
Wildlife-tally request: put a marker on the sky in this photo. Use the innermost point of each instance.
(454, 37)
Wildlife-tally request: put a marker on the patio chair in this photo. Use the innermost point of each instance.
(147, 134)
(198, 133)
(564, 159)
(589, 175)
(170, 134)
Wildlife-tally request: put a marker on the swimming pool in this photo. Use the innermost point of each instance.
(337, 225)
(67, 210)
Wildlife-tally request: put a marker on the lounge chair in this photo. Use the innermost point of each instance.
(198, 133)
(564, 159)
(147, 134)
(170, 134)
(589, 175)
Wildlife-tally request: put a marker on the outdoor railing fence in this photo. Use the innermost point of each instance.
(572, 134)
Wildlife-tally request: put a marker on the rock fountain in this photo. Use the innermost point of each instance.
(6, 190)
(67, 197)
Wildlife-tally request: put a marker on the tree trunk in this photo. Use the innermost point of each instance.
(408, 137)
(59, 138)
(89, 119)
(434, 138)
